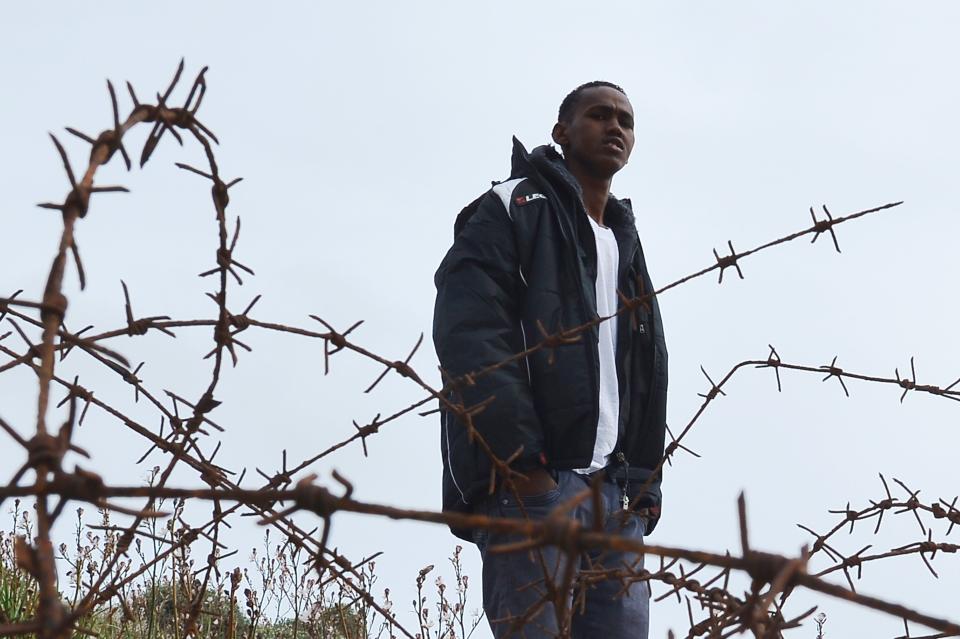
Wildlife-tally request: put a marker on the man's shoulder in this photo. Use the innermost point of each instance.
(517, 192)
(507, 196)
(504, 190)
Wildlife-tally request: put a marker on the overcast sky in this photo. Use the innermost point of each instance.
(362, 128)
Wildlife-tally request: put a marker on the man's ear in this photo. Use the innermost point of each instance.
(559, 134)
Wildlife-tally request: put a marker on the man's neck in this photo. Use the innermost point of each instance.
(594, 191)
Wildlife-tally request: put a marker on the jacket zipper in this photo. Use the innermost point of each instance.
(625, 486)
(594, 347)
(621, 432)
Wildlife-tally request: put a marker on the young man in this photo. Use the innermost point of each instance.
(548, 250)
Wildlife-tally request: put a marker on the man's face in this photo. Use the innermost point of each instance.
(599, 137)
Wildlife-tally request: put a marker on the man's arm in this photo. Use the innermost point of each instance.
(477, 324)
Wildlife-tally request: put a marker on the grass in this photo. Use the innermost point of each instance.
(277, 596)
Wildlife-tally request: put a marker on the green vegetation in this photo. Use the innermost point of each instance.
(162, 592)
(18, 591)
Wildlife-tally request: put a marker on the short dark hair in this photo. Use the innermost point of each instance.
(570, 102)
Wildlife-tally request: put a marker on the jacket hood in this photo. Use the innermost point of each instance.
(547, 161)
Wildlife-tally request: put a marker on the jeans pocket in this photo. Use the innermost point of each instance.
(539, 503)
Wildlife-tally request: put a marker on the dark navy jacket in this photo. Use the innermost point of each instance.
(523, 262)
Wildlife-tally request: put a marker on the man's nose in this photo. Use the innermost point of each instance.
(614, 127)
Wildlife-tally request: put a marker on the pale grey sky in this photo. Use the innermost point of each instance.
(362, 128)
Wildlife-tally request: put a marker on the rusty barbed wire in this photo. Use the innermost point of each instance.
(938, 510)
(773, 576)
(45, 451)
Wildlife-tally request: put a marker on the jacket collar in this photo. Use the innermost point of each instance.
(545, 161)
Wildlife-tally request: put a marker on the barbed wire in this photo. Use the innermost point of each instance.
(186, 428)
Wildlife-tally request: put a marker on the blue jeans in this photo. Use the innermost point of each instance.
(513, 583)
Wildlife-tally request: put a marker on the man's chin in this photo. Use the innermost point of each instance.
(607, 167)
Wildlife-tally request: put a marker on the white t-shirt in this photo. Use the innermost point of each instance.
(608, 263)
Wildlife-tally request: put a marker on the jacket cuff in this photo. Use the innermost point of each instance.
(648, 505)
(652, 516)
